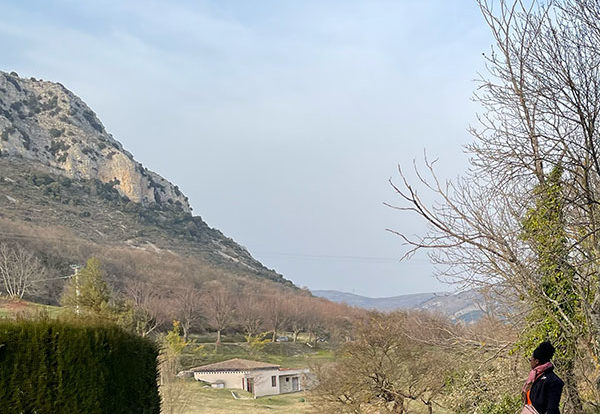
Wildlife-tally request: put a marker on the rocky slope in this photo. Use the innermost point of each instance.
(44, 122)
(59, 168)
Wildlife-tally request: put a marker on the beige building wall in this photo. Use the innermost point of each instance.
(231, 379)
(286, 383)
(263, 382)
(291, 380)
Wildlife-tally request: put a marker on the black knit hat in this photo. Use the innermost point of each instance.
(544, 352)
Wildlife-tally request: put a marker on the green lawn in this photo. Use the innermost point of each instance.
(286, 354)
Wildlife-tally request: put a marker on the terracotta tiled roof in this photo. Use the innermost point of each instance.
(235, 364)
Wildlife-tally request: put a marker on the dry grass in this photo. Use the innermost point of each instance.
(12, 309)
(212, 401)
(202, 400)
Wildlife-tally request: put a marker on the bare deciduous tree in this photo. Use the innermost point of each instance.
(220, 307)
(147, 305)
(188, 307)
(384, 370)
(252, 313)
(277, 312)
(299, 309)
(541, 105)
(20, 270)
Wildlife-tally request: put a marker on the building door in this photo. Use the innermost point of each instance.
(250, 385)
(295, 384)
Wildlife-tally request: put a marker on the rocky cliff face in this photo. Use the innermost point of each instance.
(44, 122)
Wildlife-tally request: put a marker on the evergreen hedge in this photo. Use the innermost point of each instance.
(53, 367)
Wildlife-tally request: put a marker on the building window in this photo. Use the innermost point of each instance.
(273, 381)
(287, 380)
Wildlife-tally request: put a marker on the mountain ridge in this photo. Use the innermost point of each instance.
(464, 306)
(56, 156)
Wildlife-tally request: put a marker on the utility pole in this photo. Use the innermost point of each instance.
(76, 268)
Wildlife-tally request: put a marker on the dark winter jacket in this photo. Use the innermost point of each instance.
(545, 392)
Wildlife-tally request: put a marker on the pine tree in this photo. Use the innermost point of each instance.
(87, 291)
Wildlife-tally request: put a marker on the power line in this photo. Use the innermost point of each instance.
(301, 256)
(327, 256)
(338, 257)
(54, 278)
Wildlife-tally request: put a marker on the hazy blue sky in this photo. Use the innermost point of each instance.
(281, 120)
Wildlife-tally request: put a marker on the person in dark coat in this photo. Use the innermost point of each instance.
(543, 387)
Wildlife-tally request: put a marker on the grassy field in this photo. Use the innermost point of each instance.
(286, 354)
(11, 309)
(200, 400)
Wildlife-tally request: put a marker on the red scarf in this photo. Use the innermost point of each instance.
(534, 374)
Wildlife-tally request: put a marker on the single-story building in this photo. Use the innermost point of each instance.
(258, 378)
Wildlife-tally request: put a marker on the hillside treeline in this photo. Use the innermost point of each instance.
(151, 288)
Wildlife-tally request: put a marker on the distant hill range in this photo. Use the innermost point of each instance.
(464, 306)
(61, 172)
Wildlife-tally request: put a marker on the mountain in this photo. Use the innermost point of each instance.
(61, 170)
(46, 123)
(381, 304)
(464, 306)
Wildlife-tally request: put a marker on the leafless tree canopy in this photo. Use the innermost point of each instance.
(220, 304)
(20, 270)
(416, 362)
(148, 307)
(541, 106)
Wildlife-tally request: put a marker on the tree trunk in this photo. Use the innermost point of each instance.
(573, 403)
(274, 335)
(296, 336)
(186, 331)
(595, 343)
(218, 341)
